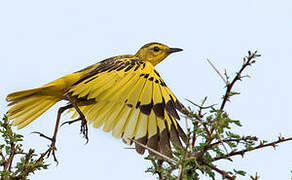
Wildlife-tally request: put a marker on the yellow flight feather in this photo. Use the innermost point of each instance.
(110, 123)
(142, 125)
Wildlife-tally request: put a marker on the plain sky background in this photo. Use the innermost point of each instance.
(44, 40)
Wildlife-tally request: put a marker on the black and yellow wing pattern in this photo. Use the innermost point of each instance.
(132, 101)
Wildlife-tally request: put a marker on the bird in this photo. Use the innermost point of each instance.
(123, 94)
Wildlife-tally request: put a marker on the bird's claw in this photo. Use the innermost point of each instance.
(70, 122)
(52, 149)
(42, 135)
(83, 128)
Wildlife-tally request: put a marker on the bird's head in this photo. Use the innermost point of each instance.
(155, 52)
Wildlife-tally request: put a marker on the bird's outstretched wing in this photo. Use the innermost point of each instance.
(132, 101)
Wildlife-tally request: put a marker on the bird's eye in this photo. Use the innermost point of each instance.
(156, 49)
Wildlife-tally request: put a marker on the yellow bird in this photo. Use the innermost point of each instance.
(124, 94)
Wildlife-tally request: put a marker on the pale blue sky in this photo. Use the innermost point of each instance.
(44, 40)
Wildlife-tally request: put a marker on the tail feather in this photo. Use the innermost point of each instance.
(15, 97)
(28, 105)
(18, 110)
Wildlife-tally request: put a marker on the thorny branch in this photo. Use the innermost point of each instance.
(223, 173)
(247, 61)
(155, 152)
(26, 163)
(261, 145)
(212, 124)
(254, 138)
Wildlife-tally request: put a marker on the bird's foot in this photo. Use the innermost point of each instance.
(52, 149)
(83, 128)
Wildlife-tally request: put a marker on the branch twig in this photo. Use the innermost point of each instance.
(155, 152)
(261, 145)
(223, 173)
(218, 72)
(248, 60)
(238, 76)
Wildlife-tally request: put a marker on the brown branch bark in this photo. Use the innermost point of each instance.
(223, 173)
(261, 145)
(233, 140)
(237, 77)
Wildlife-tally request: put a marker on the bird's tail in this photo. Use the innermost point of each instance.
(28, 105)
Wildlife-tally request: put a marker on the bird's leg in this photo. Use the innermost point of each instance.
(53, 139)
(84, 127)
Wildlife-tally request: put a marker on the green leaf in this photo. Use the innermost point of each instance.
(240, 172)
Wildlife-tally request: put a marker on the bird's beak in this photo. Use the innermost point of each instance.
(173, 50)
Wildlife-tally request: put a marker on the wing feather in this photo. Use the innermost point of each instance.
(102, 114)
(141, 128)
(121, 120)
(133, 95)
(113, 118)
(145, 99)
(103, 84)
(132, 101)
(130, 125)
(152, 126)
(118, 87)
(120, 96)
(93, 114)
(158, 101)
